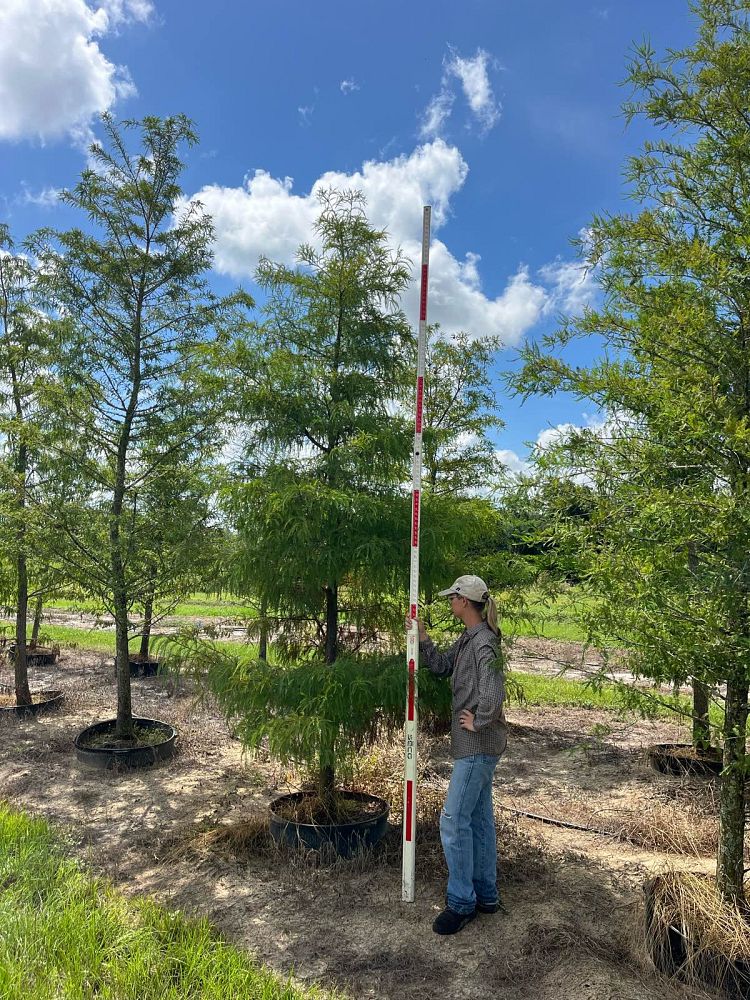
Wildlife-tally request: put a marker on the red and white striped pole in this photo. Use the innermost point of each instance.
(412, 639)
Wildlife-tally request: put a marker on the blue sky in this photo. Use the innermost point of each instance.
(505, 116)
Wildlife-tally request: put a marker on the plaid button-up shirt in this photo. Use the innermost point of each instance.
(476, 670)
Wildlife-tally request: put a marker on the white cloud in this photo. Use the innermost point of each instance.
(123, 11)
(46, 198)
(515, 465)
(476, 86)
(305, 112)
(266, 217)
(551, 436)
(472, 74)
(573, 286)
(263, 217)
(348, 86)
(53, 76)
(436, 114)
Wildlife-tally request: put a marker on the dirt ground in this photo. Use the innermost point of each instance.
(574, 898)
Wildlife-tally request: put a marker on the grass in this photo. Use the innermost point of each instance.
(197, 605)
(68, 936)
(562, 692)
(551, 619)
(554, 619)
(537, 690)
(103, 640)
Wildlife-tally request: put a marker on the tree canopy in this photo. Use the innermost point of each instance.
(665, 545)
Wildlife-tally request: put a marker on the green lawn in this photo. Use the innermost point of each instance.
(551, 619)
(537, 690)
(198, 605)
(563, 692)
(103, 640)
(68, 936)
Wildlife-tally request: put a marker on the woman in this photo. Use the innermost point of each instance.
(478, 738)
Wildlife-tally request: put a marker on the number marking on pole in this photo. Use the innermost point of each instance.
(412, 641)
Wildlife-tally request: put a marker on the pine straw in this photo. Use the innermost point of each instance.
(520, 856)
(674, 828)
(692, 904)
(712, 934)
(686, 824)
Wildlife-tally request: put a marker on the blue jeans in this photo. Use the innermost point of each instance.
(467, 831)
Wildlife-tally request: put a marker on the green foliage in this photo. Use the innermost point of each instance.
(67, 935)
(320, 510)
(459, 411)
(141, 400)
(314, 714)
(665, 542)
(29, 350)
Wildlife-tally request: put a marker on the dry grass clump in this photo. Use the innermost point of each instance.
(686, 825)
(677, 828)
(240, 840)
(693, 932)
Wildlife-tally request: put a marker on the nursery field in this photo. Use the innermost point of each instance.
(190, 834)
(65, 619)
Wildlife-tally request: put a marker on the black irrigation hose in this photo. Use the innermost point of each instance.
(562, 822)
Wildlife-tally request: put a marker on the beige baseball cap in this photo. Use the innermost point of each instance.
(472, 587)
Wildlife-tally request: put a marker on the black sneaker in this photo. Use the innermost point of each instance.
(490, 907)
(450, 922)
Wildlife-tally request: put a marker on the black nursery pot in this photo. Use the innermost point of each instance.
(670, 946)
(139, 667)
(51, 701)
(36, 656)
(105, 757)
(680, 759)
(345, 839)
(143, 668)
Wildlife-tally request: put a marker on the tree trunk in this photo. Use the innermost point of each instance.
(429, 597)
(327, 776)
(730, 866)
(23, 695)
(37, 620)
(124, 729)
(327, 785)
(148, 612)
(701, 728)
(263, 638)
(332, 622)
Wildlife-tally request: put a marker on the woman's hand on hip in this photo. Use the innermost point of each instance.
(466, 720)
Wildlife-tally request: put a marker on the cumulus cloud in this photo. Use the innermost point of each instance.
(472, 74)
(53, 75)
(348, 86)
(513, 463)
(551, 436)
(266, 217)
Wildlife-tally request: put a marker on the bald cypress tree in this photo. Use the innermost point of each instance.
(666, 545)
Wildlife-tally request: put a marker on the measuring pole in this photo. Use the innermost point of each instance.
(412, 639)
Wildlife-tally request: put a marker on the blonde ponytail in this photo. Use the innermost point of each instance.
(490, 614)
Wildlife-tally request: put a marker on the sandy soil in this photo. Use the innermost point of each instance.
(573, 898)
